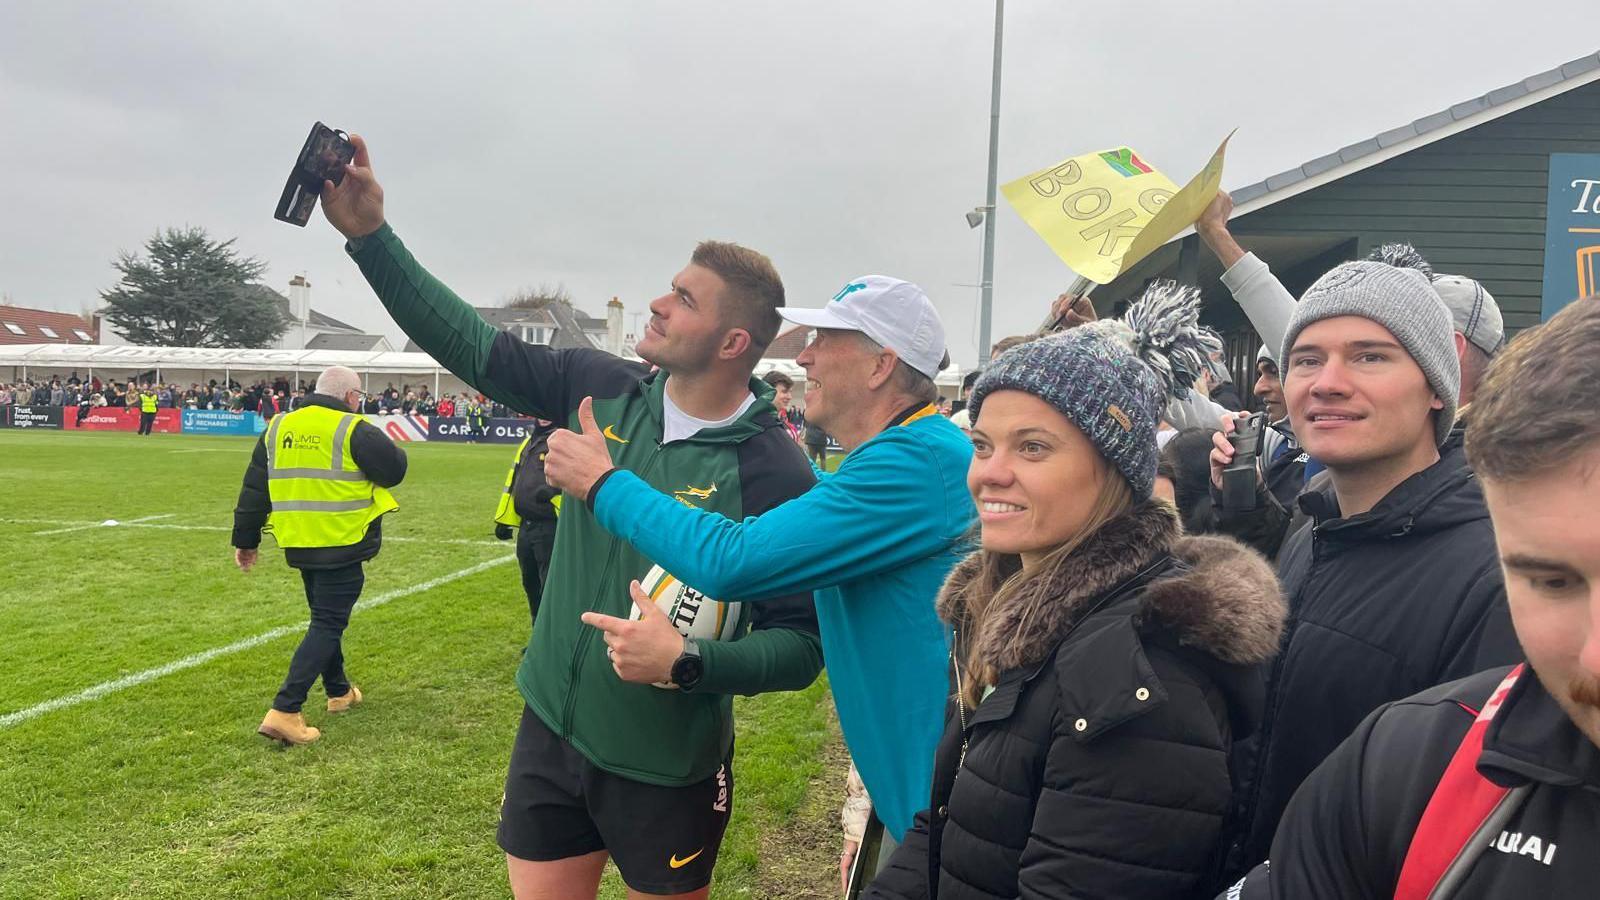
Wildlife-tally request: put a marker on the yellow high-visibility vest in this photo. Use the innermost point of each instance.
(147, 403)
(505, 511)
(320, 497)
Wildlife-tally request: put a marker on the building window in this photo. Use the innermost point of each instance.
(83, 335)
(14, 328)
(536, 334)
(48, 332)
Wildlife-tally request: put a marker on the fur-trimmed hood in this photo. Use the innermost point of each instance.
(1225, 601)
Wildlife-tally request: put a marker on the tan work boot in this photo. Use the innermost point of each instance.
(340, 704)
(287, 728)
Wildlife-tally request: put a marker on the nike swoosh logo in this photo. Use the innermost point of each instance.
(677, 863)
(612, 435)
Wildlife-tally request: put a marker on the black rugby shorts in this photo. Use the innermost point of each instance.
(558, 804)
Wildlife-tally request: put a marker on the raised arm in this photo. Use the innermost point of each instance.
(529, 378)
(1264, 299)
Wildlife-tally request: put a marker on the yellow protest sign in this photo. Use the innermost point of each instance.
(1103, 212)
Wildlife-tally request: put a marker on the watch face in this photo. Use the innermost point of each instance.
(687, 670)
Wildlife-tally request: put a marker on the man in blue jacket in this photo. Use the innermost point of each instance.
(874, 540)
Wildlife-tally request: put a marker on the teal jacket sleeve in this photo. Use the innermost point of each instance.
(887, 505)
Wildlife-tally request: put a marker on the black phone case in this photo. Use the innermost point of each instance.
(323, 157)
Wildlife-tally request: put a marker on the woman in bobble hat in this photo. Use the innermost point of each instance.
(1102, 663)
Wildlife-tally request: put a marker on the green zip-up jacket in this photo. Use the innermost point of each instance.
(637, 731)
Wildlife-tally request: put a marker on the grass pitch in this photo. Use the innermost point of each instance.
(136, 662)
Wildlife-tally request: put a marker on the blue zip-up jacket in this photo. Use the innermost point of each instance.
(875, 541)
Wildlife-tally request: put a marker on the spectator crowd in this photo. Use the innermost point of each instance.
(262, 397)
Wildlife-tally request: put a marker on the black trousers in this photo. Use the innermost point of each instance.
(331, 594)
(535, 545)
(146, 421)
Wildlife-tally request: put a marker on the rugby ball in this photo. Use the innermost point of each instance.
(694, 614)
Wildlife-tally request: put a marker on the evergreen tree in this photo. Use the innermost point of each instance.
(191, 291)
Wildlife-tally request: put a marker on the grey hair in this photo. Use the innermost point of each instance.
(336, 381)
(916, 386)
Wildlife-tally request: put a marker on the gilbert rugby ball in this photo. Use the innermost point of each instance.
(694, 614)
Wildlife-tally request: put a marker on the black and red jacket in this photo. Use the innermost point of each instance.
(1347, 831)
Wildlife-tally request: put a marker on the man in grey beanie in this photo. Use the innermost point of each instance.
(1397, 588)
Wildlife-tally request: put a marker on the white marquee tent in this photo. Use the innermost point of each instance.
(182, 365)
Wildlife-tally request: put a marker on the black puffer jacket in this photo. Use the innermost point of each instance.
(1381, 606)
(1098, 765)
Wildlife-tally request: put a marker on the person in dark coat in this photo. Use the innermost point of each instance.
(1487, 787)
(1394, 588)
(1102, 664)
(531, 518)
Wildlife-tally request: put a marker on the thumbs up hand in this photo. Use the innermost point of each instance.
(578, 459)
(642, 650)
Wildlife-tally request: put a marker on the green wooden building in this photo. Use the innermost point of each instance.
(1466, 186)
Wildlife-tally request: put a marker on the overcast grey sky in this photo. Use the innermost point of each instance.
(593, 143)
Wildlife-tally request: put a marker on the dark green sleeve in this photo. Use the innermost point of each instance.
(530, 378)
(767, 659)
(442, 324)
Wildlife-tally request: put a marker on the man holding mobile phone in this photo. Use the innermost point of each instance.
(606, 765)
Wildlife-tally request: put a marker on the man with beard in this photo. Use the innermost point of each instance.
(605, 765)
(875, 539)
(1488, 786)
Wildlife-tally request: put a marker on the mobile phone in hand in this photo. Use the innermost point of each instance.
(323, 157)
(1239, 477)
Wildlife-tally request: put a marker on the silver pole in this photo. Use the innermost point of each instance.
(986, 301)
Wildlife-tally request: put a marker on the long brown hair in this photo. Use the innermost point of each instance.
(1000, 575)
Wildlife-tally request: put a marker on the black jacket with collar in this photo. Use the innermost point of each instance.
(379, 458)
(1098, 765)
(1347, 832)
(1381, 605)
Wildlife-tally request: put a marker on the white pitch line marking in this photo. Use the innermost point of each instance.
(210, 450)
(80, 525)
(109, 523)
(205, 656)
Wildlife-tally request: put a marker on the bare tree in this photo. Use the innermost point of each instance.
(539, 297)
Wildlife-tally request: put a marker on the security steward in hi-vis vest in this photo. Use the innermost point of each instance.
(530, 505)
(147, 410)
(319, 482)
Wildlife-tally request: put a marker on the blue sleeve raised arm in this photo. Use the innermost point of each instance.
(883, 509)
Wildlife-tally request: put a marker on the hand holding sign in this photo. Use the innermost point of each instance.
(1103, 212)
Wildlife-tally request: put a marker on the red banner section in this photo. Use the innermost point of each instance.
(401, 427)
(116, 418)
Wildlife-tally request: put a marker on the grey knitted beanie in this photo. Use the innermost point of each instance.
(1112, 378)
(1401, 300)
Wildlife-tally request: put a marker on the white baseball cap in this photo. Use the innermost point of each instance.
(895, 313)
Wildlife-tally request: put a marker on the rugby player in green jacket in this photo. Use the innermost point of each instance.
(606, 763)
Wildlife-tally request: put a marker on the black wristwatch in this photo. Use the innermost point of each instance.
(688, 667)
